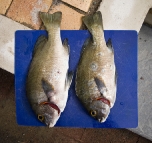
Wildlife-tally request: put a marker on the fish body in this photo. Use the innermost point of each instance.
(96, 72)
(48, 79)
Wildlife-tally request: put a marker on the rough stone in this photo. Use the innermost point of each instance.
(7, 39)
(80, 4)
(27, 12)
(4, 4)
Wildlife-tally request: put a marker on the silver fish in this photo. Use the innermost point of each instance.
(48, 79)
(96, 72)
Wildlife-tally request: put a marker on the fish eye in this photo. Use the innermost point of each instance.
(41, 118)
(93, 113)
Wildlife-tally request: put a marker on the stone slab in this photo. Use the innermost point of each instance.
(8, 28)
(80, 4)
(124, 15)
(4, 4)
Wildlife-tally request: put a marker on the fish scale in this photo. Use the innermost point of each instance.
(97, 68)
(48, 79)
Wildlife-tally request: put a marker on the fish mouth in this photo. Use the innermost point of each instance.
(102, 120)
(54, 106)
(51, 125)
(104, 100)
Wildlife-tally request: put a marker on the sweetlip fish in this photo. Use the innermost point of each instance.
(96, 72)
(48, 78)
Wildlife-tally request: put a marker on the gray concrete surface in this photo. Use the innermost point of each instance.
(145, 83)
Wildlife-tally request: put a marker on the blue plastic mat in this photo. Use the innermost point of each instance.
(124, 114)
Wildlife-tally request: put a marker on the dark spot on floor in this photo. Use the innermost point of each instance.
(141, 78)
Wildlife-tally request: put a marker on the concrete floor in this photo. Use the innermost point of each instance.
(145, 82)
(10, 132)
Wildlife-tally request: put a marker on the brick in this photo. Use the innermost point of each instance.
(27, 12)
(4, 4)
(7, 30)
(80, 4)
(71, 19)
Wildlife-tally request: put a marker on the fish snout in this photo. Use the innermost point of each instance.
(102, 119)
(103, 114)
(51, 125)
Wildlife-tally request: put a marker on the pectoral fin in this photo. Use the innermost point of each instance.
(40, 44)
(68, 79)
(47, 87)
(100, 85)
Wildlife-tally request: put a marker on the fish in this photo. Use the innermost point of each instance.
(96, 78)
(48, 79)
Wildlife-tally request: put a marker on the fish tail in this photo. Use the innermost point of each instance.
(93, 21)
(51, 20)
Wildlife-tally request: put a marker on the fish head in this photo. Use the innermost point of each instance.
(47, 114)
(99, 110)
(47, 111)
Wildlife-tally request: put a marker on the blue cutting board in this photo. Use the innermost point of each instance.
(124, 114)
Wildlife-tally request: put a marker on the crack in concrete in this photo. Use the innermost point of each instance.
(8, 8)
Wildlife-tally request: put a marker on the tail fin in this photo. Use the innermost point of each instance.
(92, 21)
(50, 20)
